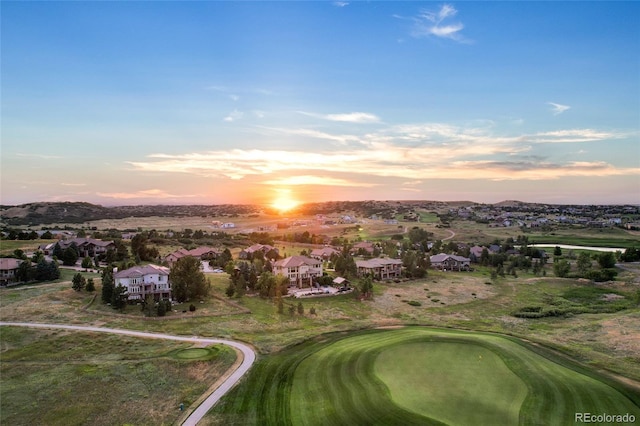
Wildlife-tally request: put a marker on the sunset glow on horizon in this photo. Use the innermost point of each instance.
(240, 102)
(284, 202)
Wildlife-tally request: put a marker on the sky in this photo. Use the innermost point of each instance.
(213, 102)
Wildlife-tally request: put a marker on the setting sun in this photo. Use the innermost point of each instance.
(284, 202)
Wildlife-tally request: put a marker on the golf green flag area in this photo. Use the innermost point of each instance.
(418, 375)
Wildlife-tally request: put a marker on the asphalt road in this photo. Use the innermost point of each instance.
(249, 357)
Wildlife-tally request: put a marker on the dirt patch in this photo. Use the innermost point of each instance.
(623, 334)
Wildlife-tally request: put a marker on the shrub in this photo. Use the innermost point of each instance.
(192, 308)
(414, 303)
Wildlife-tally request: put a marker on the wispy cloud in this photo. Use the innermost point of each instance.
(233, 116)
(349, 117)
(439, 23)
(41, 156)
(341, 3)
(558, 109)
(575, 135)
(315, 180)
(148, 193)
(411, 153)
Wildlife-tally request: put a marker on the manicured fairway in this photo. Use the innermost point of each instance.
(422, 376)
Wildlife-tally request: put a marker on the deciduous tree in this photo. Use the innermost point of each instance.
(187, 280)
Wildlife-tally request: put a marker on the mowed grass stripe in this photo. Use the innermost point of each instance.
(334, 382)
(351, 394)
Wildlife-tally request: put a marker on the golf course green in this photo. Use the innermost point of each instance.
(417, 375)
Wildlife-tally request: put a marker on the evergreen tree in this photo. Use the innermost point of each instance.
(87, 263)
(231, 289)
(57, 251)
(583, 263)
(119, 297)
(241, 286)
(161, 309)
(24, 272)
(78, 282)
(366, 287)
(91, 287)
(70, 255)
(107, 285)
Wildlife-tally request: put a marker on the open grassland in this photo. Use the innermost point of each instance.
(402, 376)
(608, 342)
(69, 378)
(469, 231)
(7, 247)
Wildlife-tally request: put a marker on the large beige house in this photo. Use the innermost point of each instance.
(380, 268)
(450, 262)
(301, 270)
(141, 281)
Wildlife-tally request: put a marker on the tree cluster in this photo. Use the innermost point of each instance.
(187, 280)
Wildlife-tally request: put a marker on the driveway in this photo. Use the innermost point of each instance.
(249, 357)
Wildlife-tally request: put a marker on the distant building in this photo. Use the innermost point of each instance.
(8, 268)
(202, 253)
(364, 246)
(323, 253)
(141, 281)
(264, 248)
(87, 247)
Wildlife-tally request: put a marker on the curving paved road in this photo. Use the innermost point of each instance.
(249, 357)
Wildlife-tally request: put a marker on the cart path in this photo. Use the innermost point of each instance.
(249, 356)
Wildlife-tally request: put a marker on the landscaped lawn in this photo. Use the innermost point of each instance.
(419, 375)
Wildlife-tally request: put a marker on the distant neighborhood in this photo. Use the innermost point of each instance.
(254, 257)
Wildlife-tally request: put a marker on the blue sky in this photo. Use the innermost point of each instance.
(234, 102)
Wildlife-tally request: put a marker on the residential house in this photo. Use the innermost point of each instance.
(173, 257)
(301, 270)
(8, 268)
(205, 253)
(202, 253)
(475, 253)
(450, 262)
(87, 247)
(264, 248)
(141, 281)
(324, 253)
(361, 247)
(380, 268)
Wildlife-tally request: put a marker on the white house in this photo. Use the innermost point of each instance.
(301, 270)
(141, 281)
